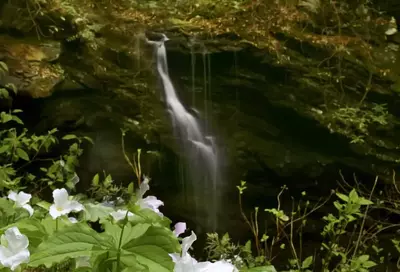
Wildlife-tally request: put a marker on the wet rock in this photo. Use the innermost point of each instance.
(31, 65)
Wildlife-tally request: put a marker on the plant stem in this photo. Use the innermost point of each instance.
(120, 243)
(57, 224)
(363, 222)
(251, 226)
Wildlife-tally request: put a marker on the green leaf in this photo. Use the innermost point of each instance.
(17, 119)
(3, 66)
(88, 139)
(343, 197)
(95, 180)
(22, 154)
(94, 212)
(77, 240)
(130, 188)
(149, 216)
(152, 248)
(364, 201)
(69, 137)
(12, 87)
(353, 196)
(5, 117)
(267, 268)
(44, 204)
(4, 148)
(363, 258)
(130, 232)
(369, 264)
(307, 262)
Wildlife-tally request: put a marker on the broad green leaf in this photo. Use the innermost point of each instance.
(130, 232)
(130, 263)
(152, 248)
(369, 264)
(69, 137)
(364, 201)
(95, 180)
(44, 204)
(74, 241)
(149, 216)
(363, 258)
(94, 212)
(102, 262)
(4, 148)
(51, 224)
(353, 196)
(22, 154)
(5, 117)
(343, 197)
(88, 139)
(307, 262)
(17, 119)
(131, 188)
(267, 268)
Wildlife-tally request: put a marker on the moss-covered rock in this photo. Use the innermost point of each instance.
(285, 89)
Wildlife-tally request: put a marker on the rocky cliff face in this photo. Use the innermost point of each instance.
(296, 90)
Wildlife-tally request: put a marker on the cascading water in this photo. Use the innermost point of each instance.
(199, 149)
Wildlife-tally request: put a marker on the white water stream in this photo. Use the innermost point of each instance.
(199, 149)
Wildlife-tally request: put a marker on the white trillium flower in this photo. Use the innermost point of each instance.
(21, 200)
(149, 202)
(120, 214)
(221, 266)
(179, 228)
(62, 205)
(186, 263)
(14, 248)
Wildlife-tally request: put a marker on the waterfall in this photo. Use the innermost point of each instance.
(199, 149)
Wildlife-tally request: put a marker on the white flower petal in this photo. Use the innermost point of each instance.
(54, 212)
(186, 264)
(13, 250)
(73, 206)
(14, 261)
(120, 214)
(23, 198)
(206, 267)
(153, 202)
(12, 195)
(15, 239)
(175, 257)
(221, 266)
(187, 243)
(143, 188)
(60, 197)
(150, 202)
(4, 253)
(73, 220)
(28, 208)
(180, 228)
